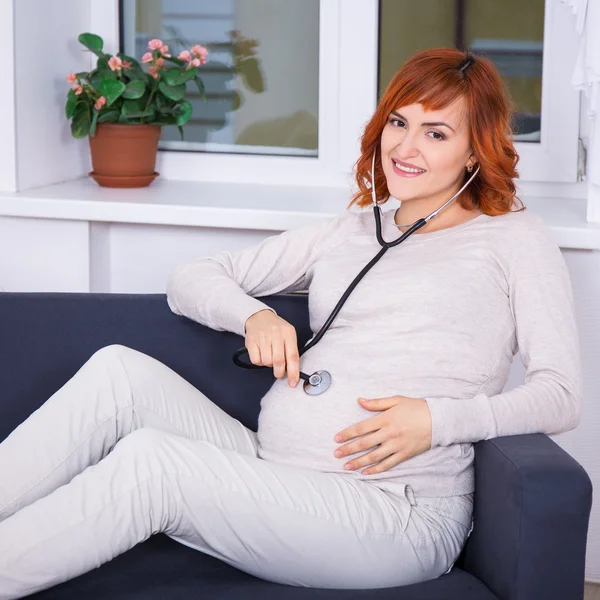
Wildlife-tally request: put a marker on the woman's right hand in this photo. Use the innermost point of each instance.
(272, 341)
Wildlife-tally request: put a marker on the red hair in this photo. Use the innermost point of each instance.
(433, 79)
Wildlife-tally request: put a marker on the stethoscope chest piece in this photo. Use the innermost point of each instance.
(318, 383)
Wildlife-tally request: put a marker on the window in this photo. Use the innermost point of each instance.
(534, 46)
(486, 27)
(262, 75)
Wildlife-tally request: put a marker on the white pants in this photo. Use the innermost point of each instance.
(127, 448)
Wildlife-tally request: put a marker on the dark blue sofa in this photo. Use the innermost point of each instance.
(532, 499)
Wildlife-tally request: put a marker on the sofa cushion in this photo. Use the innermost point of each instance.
(162, 569)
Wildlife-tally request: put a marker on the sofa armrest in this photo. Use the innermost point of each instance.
(532, 507)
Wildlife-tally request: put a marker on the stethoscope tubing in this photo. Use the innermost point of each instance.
(385, 247)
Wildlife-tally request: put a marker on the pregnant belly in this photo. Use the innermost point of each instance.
(298, 429)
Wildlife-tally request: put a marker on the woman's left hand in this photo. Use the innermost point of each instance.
(400, 432)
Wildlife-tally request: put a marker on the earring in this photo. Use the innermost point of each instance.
(470, 168)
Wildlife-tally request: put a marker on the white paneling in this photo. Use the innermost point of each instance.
(40, 255)
(104, 21)
(46, 49)
(593, 213)
(100, 260)
(358, 72)
(8, 148)
(554, 159)
(142, 256)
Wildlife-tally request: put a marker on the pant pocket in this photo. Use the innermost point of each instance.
(455, 515)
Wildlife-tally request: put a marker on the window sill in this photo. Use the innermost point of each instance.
(241, 206)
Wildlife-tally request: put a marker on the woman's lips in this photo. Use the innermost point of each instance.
(404, 173)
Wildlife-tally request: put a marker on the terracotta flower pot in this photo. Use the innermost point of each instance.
(124, 155)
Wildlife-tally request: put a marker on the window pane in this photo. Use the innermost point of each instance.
(508, 32)
(262, 74)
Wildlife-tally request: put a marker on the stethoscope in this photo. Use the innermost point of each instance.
(320, 381)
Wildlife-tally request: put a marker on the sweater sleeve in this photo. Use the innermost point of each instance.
(220, 291)
(541, 302)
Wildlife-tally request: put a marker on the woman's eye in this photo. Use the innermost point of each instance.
(441, 136)
(436, 134)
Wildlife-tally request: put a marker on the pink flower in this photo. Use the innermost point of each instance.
(153, 70)
(71, 78)
(184, 55)
(155, 44)
(115, 63)
(78, 89)
(160, 62)
(147, 57)
(200, 51)
(163, 50)
(100, 103)
(126, 64)
(195, 62)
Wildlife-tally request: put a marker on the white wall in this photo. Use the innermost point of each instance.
(44, 254)
(45, 150)
(8, 168)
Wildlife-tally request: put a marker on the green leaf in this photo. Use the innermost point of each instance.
(80, 125)
(176, 60)
(111, 90)
(133, 109)
(92, 42)
(166, 120)
(186, 113)
(71, 102)
(200, 86)
(131, 106)
(134, 89)
(136, 71)
(161, 101)
(167, 110)
(102, 70)
(107, 75)
(237, 100)
(180, 131)
(111, 116)
(173, 92)
(125, 121)
(250, 71)
(176, 76)
(93, 125)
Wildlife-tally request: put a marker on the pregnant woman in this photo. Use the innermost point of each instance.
(370, 484)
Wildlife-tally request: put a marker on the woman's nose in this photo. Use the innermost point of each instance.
(407, 146)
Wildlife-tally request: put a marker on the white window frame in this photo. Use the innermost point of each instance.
(348, 69)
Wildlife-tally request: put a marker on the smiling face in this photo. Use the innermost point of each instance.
(425, 153)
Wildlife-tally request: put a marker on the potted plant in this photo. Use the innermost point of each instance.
(122, 108)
